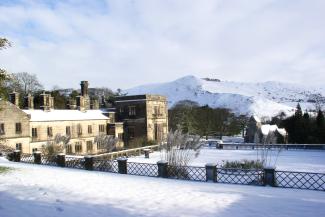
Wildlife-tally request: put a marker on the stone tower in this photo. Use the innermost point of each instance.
(85, 95)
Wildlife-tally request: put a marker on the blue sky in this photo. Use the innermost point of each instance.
(125, 43)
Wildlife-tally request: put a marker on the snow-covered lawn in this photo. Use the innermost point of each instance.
(293, 160)
(44, 191)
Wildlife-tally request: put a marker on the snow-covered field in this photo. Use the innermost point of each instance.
(43, 191)
(292, 160)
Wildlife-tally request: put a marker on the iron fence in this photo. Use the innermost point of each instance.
(142, 169)
(27, 158)
(48, 160)
(187, 173)
(73, 162)
(240, 176)
(105, 166)
(285, 179)
(300, 180)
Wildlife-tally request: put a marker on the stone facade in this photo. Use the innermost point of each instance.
(144, 116)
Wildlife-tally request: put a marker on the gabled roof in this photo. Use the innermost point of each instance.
(65, 115)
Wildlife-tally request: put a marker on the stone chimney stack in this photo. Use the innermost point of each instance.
(81, 103)
(85, 94)
(29, 102)
(84, 88)
(14, 98)
(47, 101)
(94, 104)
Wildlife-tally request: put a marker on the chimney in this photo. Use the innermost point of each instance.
(45, 101)
(81, 103)
(51, 100)
(84, 88)
(29, 102)
(94, 104)
(72, 104)
(14, 98)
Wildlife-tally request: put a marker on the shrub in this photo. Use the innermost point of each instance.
(243, 164)
(180, 149)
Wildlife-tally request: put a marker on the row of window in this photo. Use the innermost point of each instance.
(132, 110)
(18, 128)
(102, 129)
(78, 147)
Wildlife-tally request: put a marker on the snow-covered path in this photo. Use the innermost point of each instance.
(34, 190)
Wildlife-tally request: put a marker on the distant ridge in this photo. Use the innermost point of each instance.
(264, 99)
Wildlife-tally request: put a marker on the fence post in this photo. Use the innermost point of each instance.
(122, 165)
(89, 163)
(162, 169)
(17, 156)
(146, 153)
(60, 160)
(37, 157)
(269, 177)
(211, 172)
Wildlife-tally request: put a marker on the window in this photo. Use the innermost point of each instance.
(89, 146)
(132, 111)
(79, 129)
(100, 145)
(34, 150)
(18, 128)
(102, 128)
(156, 110)
(49, 132)
(69, 149)
(18, 146)
(90, 129)
(121, 110)
(34, 132)
(120, 136)
(78, 147)
(68, 130)
(2, 129)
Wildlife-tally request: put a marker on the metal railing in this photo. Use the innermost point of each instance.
(300, 180)
(142, 169)
(187, 173)
(258, 177)
(240, 176)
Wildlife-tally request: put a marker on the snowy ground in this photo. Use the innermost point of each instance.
(293, 160)
(43, 191)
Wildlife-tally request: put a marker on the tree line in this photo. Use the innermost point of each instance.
(205, 121)
(303, 127)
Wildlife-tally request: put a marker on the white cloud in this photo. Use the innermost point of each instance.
(127, 43)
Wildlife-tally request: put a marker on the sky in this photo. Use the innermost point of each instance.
(125, 43)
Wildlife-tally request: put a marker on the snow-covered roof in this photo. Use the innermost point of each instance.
(65, 115)
(267, 128)
(257, 119)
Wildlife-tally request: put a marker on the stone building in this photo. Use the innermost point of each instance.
(28, 129)
(257, 132)
(144, 116)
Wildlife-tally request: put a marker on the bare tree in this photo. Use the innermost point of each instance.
(4, 76)
(4, 43)
(265, 154)
(180, 148)
(106, 142)
(55, 146)
(25, 82)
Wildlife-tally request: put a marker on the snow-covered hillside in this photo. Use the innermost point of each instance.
(262, 99)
